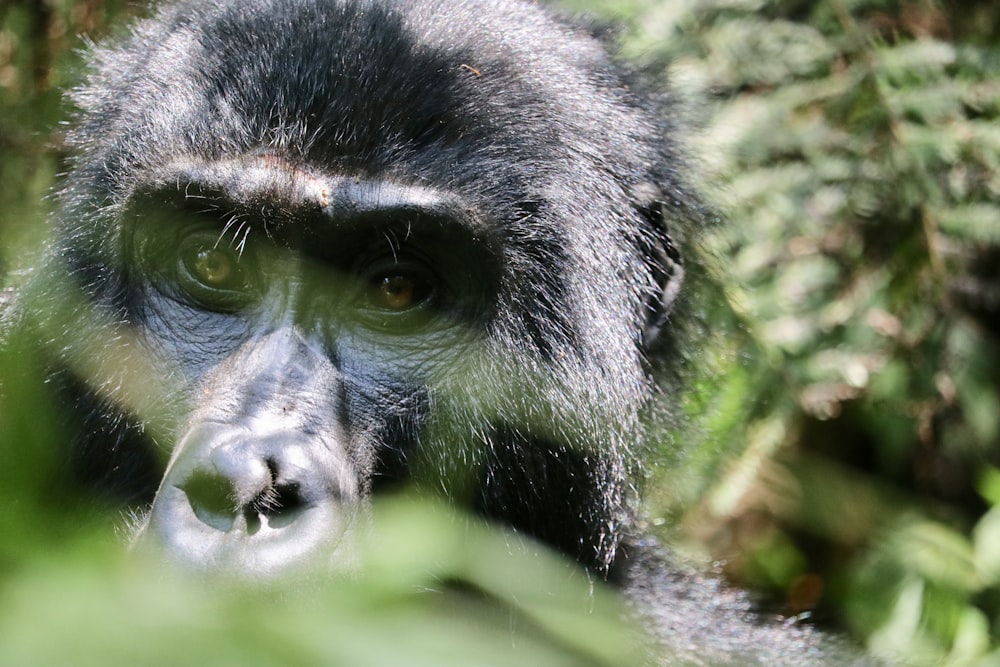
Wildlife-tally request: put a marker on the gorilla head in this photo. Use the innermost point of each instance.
(326, 246)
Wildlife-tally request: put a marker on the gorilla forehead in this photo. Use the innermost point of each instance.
(358, 85)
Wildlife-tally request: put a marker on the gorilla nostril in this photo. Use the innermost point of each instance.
(290, 504)
(280, 504)
(212, 498)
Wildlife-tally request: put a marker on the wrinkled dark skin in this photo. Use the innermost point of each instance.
(325, 247)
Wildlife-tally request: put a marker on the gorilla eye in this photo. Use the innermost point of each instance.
(393, 292)
(399, 294)
(212, 267)
(216, 278)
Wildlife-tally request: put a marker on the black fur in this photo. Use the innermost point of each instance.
(540, 200)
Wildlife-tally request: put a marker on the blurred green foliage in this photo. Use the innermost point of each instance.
(841, 451)
(37, 61)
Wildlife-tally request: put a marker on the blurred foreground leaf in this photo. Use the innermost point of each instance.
(432, 589)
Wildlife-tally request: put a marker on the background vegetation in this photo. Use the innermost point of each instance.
(841, 455)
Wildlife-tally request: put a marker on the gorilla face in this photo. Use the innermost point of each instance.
(311, 332)
(345, 244)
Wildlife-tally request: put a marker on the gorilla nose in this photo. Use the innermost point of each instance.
(244, 491)
(252, 505)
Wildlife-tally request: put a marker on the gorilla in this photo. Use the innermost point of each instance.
(315, 249)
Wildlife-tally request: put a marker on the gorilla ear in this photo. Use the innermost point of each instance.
(663, 259)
